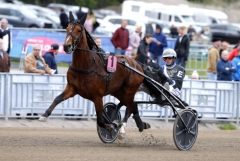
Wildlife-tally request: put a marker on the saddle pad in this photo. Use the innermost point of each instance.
(112, 63)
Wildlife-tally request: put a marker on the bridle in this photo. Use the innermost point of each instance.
(75, 39)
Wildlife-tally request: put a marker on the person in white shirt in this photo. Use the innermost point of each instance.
(6, 38)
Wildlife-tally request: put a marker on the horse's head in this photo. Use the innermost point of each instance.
(75, 32)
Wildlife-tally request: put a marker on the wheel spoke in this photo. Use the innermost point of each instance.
(189, 120)
(193, 133)
(185, 141)
(106, 117)
(180, 132)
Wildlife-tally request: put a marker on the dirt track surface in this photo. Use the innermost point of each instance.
(24, 143)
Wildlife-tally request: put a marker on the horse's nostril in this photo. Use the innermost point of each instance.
(66, 47)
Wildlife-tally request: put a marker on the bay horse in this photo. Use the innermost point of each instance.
(87, 76)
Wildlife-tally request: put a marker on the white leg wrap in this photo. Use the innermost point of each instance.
(42, 119)
(122, 131)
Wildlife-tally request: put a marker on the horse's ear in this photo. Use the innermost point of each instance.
(83, 19)
(71, 18)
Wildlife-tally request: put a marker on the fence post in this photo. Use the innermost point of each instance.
(88, 110)
(6, 97)
(238, 102)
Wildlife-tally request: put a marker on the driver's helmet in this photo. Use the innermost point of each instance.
(169, 53)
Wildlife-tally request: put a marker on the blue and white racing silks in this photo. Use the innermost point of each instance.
(176, 73)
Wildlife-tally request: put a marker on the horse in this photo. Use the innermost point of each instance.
(87, 77)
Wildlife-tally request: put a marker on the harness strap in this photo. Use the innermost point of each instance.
(81, 70)
(108, 81)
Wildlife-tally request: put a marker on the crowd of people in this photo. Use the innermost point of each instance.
(222, 64)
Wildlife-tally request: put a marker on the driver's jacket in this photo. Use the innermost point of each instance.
(176, 73)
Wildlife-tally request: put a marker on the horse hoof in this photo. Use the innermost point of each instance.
(146, 125)
(140, 129)
(121, 136)
(42, 119)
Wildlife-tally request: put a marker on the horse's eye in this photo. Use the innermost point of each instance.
(79, 30)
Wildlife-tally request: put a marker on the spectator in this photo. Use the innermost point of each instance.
(34, 63)
(49, 57)
(149, 28)
(4, 59)
(191, 32)
(120, 39)
(173, 31)
(182, 46)
(136, 38)
(236, 65)
(142, 51)
(7, 37)
(206, 34)
(234, 51)
(3, 32)
(224, 46)
(95, 24)
(224, 68)
(156, 47)
(63, 19)
(213, 57)
(89, 24)
(98, 42)
(195, 75)
(80, 13)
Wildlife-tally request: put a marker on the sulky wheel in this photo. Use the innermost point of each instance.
(109, 112)
(185, 130)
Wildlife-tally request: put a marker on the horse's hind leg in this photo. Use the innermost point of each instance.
(141, 125)
(67, 93)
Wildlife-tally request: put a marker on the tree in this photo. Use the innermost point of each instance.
(93, 4)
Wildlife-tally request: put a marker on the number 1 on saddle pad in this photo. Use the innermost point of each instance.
(112, 63)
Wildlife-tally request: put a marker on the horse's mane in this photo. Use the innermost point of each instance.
(91, 43)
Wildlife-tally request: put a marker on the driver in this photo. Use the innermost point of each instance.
(174, 72)
(170, 75)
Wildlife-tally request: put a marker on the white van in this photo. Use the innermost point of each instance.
(157, 12)
(204, 17)
(173, 15)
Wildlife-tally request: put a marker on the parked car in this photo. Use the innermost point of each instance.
(226, 32)
(12, 1)
(111, 23)
(21, 16)
(58, 6)
(46, 13)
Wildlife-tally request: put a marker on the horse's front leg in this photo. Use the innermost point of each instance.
(67, 93)
(122, 132)
(99, 110)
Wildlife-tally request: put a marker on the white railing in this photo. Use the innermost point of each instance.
(22, 94)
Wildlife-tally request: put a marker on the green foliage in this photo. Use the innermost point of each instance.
(197, 65)
(213, 2)
(228, 127)
(93, 4)
(59, 64)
